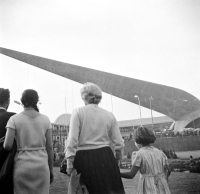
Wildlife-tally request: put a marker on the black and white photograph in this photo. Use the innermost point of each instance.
(100, 97)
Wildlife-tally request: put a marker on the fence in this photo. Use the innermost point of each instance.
(185, 143)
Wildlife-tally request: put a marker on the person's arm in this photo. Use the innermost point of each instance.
(10, 135)
(117, 140)
(70, 165)
(168, 170)
(136, 164)
(49, 149)
(71, 143)
(131, 174)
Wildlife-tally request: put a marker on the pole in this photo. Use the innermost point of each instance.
(139, 109)
(151, 98)
(111, 103)
(66, 135)
(193, 124)
(15, 101)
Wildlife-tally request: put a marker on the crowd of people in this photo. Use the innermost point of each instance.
(87, 148)
(180, 133)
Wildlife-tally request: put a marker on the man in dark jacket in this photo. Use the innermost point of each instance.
(4, 117)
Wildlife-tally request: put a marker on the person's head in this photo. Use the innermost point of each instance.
(91, 93)
(143, 136)
(30, 98)
(4, 98)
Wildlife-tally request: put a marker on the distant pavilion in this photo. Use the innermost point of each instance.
(61, 126)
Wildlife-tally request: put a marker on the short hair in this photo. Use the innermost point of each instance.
(91, 93)
(30, 98)
(4, 95)
(144, 136)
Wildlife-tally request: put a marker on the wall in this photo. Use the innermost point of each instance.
(185, 143)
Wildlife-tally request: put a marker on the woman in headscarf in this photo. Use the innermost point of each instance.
(87, 148)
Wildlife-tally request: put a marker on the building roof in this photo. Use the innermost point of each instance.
(63, 119)
(145, 121)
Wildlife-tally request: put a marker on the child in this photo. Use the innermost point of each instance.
(152, 163)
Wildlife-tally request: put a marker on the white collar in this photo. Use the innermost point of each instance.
(2, 108)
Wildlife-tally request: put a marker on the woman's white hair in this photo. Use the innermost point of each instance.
(91, 93)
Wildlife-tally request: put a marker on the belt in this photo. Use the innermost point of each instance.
(31, 149)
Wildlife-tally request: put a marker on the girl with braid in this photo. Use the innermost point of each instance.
(33, 163)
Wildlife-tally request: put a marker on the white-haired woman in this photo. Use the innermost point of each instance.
(87, 147)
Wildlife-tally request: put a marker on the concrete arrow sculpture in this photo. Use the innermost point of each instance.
(173, 102)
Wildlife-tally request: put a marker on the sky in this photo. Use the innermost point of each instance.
(151, 40)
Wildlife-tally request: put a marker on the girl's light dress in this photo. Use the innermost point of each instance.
(31, 170)
(152, 170)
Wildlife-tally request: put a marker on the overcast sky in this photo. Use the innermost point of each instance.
(151, 40)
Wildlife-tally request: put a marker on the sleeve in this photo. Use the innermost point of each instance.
(11, 123)
(71, 143)
(49, 126)
(117, 139)
(137, 160)
(133, 155)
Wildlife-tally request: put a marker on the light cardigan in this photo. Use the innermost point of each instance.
(92, 127)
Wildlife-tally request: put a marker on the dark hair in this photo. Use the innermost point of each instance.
(4, 95)
(30, 98)
(144, 136)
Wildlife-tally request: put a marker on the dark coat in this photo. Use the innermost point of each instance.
(6, 157)
(4, 117)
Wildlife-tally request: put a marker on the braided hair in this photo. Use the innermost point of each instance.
(30, 98)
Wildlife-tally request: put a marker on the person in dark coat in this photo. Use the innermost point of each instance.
(4, 117)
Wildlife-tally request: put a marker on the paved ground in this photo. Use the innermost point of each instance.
(179, 182)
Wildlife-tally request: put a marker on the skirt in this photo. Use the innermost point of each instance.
(99, 171)
(31, 172)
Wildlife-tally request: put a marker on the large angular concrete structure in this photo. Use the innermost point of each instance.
(177, 104)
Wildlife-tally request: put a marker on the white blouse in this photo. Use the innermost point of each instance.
(92, 127)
